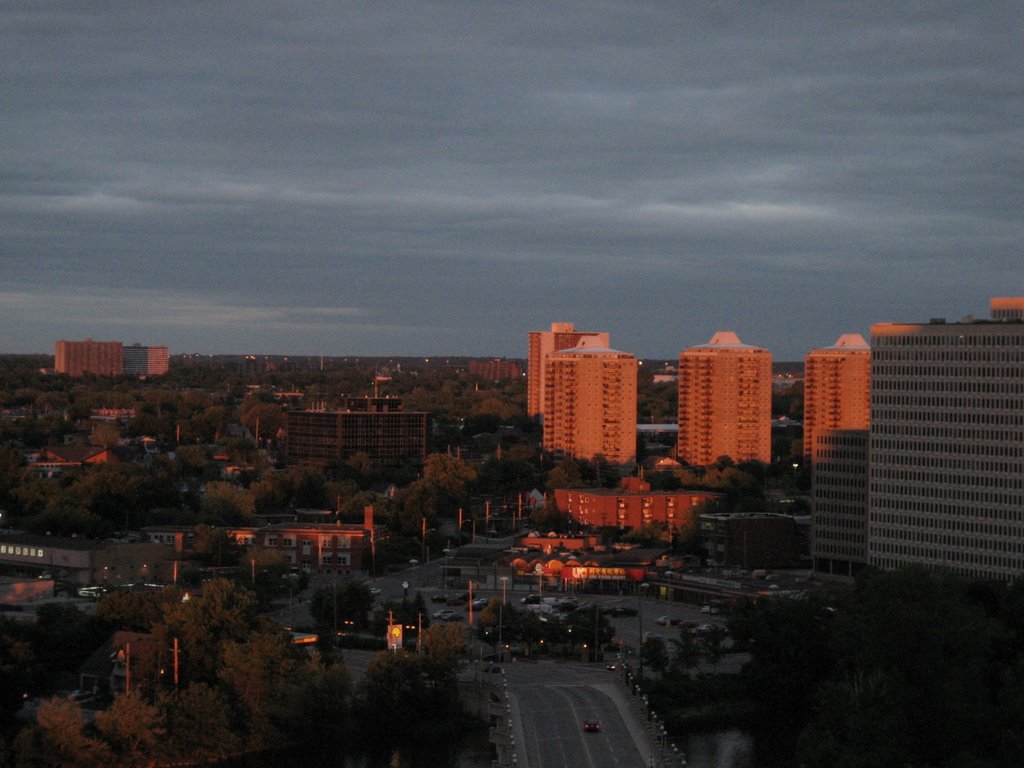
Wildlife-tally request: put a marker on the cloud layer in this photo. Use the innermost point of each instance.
(441, 178)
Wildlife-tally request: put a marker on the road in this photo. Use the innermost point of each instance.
(550, 703)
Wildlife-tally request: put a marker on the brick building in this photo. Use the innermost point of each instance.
(753, 540)
(633, 505)
(77, 358)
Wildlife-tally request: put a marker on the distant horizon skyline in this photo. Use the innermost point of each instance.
(441, 178)
(485, 355)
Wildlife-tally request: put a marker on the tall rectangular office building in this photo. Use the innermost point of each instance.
(946, 468)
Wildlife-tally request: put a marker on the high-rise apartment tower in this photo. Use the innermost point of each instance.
(725, 401)
(590, 402)
(145, 361)
(837, 388)
(77, 358)
(542, 343)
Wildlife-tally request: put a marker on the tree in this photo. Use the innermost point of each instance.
(393, 691)
(685, 653)
(136, 611)
(17, 667)
(198, 721)
(106, 434)
(63, 636)
(792, 652)
(654, 534)
(567, 474)
(321, 703)
(347, 604)
(225, 503)
(222, 612)
(655, 654)
(132, 728)
(266, 417)
(58, 739)
(445, 646)
(712, 644)
(920, 632)
(216, 547)
(259, 671)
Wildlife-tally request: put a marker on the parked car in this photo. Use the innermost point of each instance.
(663, 621)
(446, 614)
(480, 603)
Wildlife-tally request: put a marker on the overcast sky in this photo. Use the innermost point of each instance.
(407, 178)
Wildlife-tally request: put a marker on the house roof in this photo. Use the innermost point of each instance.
(100, 661)
(72, 454)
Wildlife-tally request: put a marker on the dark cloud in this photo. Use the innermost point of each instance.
(440, 178)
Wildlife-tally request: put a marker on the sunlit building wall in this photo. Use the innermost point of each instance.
(541, 344)
(145, 361)
(590, 403)
(946, 477)
(77, 358)
(837, 388)
(725, 401)
(634, 505)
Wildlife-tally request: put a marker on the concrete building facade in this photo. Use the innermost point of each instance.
(839, 491)
(77, 358)
(946, 477)
(541, 344)
(725, 401)
(374, 426)
(837, 388)
(589, 409)
(145, 361)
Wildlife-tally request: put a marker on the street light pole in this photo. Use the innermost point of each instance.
(501, 619)
(640, 625)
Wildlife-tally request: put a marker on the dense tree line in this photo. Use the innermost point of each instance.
(909, 669)
(241, 684)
